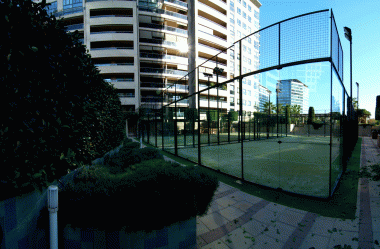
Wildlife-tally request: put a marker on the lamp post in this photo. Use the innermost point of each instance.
(208, 75)
(269, 92)
(277, 92)
(357, 106)
(217, 71)
(348, 35)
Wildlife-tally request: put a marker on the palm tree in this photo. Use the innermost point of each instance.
(266, 107)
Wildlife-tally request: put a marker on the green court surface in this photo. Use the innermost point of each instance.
(298, 164)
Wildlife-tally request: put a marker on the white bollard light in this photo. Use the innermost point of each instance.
(53, 209)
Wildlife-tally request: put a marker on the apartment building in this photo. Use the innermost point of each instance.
(146, 47)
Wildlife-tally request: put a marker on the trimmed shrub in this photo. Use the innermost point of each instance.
(311, 116)
(58, 112)
(153, 182)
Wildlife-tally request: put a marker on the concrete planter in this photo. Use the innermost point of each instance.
(177, 235)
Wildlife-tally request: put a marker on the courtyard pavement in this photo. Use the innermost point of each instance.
(239, 220)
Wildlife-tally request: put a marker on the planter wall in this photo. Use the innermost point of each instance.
(365, 131)
(177, 235)
(18, 222)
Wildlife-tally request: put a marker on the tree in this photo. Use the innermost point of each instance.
(377, 110)
(295, 109)
(311, 116)
(266, 107)
(281, 108)
(363, 114)
(355, 103)
(58, 111)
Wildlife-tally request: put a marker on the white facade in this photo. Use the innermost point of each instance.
(142, 47)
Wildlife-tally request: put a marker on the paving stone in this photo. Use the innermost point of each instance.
(315, 240)
(347, 225)
(279, 231)
(265, 242)
(376, 225)
(296, 210)
(276, 207)
(231, 213)
(201, 228)
(265, 216)
(291, 218)
(216, 245)
(243, 205)
(238, 239)
(343, 238)
(253, 227)
(214, 220)
(225, 201)
(214, 207)
(322, 225)
(242, 196)
(375, 207)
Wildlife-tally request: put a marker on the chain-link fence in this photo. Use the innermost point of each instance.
(284, 121)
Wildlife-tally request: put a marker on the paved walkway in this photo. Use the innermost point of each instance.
(239, 220)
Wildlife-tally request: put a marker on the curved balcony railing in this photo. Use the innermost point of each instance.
(161, 11)
(201, 17)
(115, 64)
(163, 27)
(163, 71)
(205, 7)
(213, 36)
(163, 42)
(68, 11)
(161, 56)
(178, 87)
(215, 49)
(110, 32)
(74, 27)
(88, 1)
(110, 48)
(212, 61)
(111, 16)
(118, 80)
(151, 99)
(177, 2)
(152, 84)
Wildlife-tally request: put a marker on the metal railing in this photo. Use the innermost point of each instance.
(177, 2)
(110, 32)
(110, 48)
(114, 64)
(163, 27)
(163, 71)
(68, 11)
(161, 11)
(161, 56)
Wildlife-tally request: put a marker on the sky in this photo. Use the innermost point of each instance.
(364, 20)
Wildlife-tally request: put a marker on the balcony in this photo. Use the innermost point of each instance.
(175, 45)
(111, 48)
(176, 59)
(163, 27)
(68, 11)
(183, 4)
(112, 36)
(212, 24)
(74, 27)
(205, 9)
(165, 12)
(212, 38)
(163, 71)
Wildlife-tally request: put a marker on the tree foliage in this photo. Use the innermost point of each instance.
(58, 112)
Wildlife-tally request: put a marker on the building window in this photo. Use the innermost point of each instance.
(244, 26)
(244, 82)
(256, 45)
(244, 92)
(232, 6)
(256, 14)
(244, 102)
(249, 92)
(249, 30)
(239, 34)
(244, 70)
(238, 10)
(244, 48)
(238, 90)
(249, 19)
(51, 8)
(239, 22)
(249, 51)
(232, 33)
(68, 4)
(249, 82)
(244, 15)
(249, 8)
(232, 21)
(249, 40)
(249, 103)
(239, 1)
(249, 61)
(244, 4)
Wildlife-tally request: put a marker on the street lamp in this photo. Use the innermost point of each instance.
(348, 35)
(208, 75)
(357, 105)
(269, 92)
(277, 92)
(217, 71)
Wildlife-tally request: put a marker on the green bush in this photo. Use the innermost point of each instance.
(58, 112)
(119, 198)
